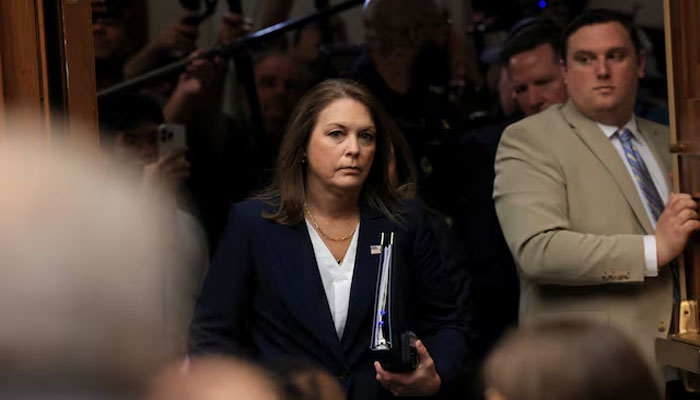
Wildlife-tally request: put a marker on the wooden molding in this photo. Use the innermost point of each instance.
(80, 90)
(2, 104)
(47, 55)
(668, 38)
(23, 88)
(682, 35)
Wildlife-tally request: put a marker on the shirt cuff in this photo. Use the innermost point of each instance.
(651, 269)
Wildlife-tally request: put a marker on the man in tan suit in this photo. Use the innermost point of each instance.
(580, 191)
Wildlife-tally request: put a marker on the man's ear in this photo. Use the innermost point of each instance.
(641, 63)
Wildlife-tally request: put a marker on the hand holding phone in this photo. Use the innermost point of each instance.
(172, 166)
(171, 138)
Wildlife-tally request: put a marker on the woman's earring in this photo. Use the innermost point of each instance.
(303, 160)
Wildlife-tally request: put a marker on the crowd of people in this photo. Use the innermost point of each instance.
(511, 160)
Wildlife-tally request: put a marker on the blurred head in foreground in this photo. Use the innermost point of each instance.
(572, 360)
(80, 275)
(213, 378)
(301, 379)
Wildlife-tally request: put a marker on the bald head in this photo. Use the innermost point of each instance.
(81, 278)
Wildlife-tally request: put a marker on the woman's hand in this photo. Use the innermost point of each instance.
(170, 169)
(233, 26)
(424, 381)
(198, 90)
(177, 39)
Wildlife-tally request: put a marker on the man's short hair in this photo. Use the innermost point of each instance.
(600, 16)
(125, 111)
(603, 355)
(531, 36)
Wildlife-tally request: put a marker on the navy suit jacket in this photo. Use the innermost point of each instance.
(263, 291)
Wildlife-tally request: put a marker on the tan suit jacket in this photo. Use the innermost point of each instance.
(574, 222)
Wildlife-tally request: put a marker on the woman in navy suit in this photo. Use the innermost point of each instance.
(294, 275)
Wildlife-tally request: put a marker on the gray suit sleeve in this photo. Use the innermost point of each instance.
(530, 193)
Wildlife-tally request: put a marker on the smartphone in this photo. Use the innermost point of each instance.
(171, 137)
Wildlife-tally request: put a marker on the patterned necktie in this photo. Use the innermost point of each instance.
(653, 200)
(641, 174)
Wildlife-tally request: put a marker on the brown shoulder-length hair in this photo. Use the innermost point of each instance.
(391, 178)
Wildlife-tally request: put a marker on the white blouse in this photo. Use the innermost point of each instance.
(336, 278)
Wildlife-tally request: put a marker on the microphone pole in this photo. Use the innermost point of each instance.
(247, 41)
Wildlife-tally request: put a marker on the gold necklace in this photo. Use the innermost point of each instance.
(307, 211)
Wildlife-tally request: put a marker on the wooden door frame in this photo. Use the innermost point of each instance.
(47, 69)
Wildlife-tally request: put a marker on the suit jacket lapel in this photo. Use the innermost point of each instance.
(363, 284)
(301, 285)
(594, 139)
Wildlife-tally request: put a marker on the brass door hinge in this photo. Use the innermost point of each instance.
(688, 317)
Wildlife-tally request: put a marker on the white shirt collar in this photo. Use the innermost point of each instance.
(609, 130)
